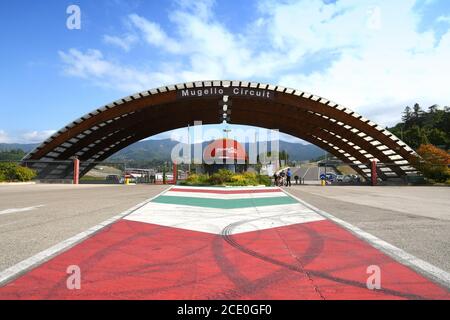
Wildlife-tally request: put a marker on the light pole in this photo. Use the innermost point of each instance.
(226, 132)
(189, 146)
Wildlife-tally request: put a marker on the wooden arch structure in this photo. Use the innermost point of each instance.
(344, 133)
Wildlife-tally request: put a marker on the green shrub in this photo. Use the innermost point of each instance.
(265, 180)
(196, 179)
(13, 172)
(227, 178)
(24, 174)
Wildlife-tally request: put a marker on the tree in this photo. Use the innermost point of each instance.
(434, 163)
(407, 115)
(12, 155)
(417, 111)
(424, 127)
(433, 108)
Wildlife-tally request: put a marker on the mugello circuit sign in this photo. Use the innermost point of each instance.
(225, 91)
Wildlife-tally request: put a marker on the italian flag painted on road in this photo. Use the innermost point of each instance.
(223, 243)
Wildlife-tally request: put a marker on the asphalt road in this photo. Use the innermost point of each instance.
(311, 173)
(36, 217)
(415, 219)
(220, 243)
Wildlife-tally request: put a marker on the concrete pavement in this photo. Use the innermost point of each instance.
(57, 212)
(415, 219)
(35, 217)
(222, 243)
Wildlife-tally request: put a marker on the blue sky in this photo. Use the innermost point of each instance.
(372, 56)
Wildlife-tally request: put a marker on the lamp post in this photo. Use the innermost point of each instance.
(226, 132)
(189, 145)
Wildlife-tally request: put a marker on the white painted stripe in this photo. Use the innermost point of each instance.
(13, 272)
(225, 196)
(213, 220)
(421, 266)
(13, 210)
(249, 188)
(306, 172)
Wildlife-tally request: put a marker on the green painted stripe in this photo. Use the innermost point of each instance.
(225, 203)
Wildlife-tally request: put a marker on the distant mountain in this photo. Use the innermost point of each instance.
(159, 150)
(26, 147)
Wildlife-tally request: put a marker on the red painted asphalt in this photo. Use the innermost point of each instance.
(134, 260)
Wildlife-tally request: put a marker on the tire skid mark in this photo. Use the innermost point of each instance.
(311, 252)
(227, 235)
(91, 261)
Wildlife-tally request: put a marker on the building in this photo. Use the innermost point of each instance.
(224, 154)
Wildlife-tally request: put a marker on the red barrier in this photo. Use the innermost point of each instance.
(76, 170)
(175, 173)
(374, 173)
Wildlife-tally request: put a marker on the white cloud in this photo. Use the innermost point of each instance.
(368, 57)
(4, 137)
(124, 42)
(443, 19)
(92, 65)
(35, 136)
(154, 35)
(392, 67)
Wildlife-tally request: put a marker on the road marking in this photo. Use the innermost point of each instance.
(226, 190)
(423, 267)
(307, 169)
(18, 269)
(13, 210)
(213, 220)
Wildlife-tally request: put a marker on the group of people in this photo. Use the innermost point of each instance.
(283, 178)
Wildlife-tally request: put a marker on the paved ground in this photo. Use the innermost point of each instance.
(36, 217)
(311, 174)
(415, 219)
(239, 243)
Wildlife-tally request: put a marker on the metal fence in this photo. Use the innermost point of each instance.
(330, 173)
(91, 172)
(339, 173)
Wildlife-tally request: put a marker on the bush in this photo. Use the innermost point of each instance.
(13, 172)
(434, 163)
(221, 177)
(196, 179)
(227, 178)
(265, 180)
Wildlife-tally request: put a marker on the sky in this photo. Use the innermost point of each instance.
(374, 57)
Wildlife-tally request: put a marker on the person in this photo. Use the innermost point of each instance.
(275, 178)
(282, 178)
(288, 177)
(296, 179)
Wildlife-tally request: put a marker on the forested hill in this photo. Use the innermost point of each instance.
(418, 126)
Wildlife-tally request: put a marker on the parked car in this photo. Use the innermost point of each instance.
(113, 178)
(347, 178)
